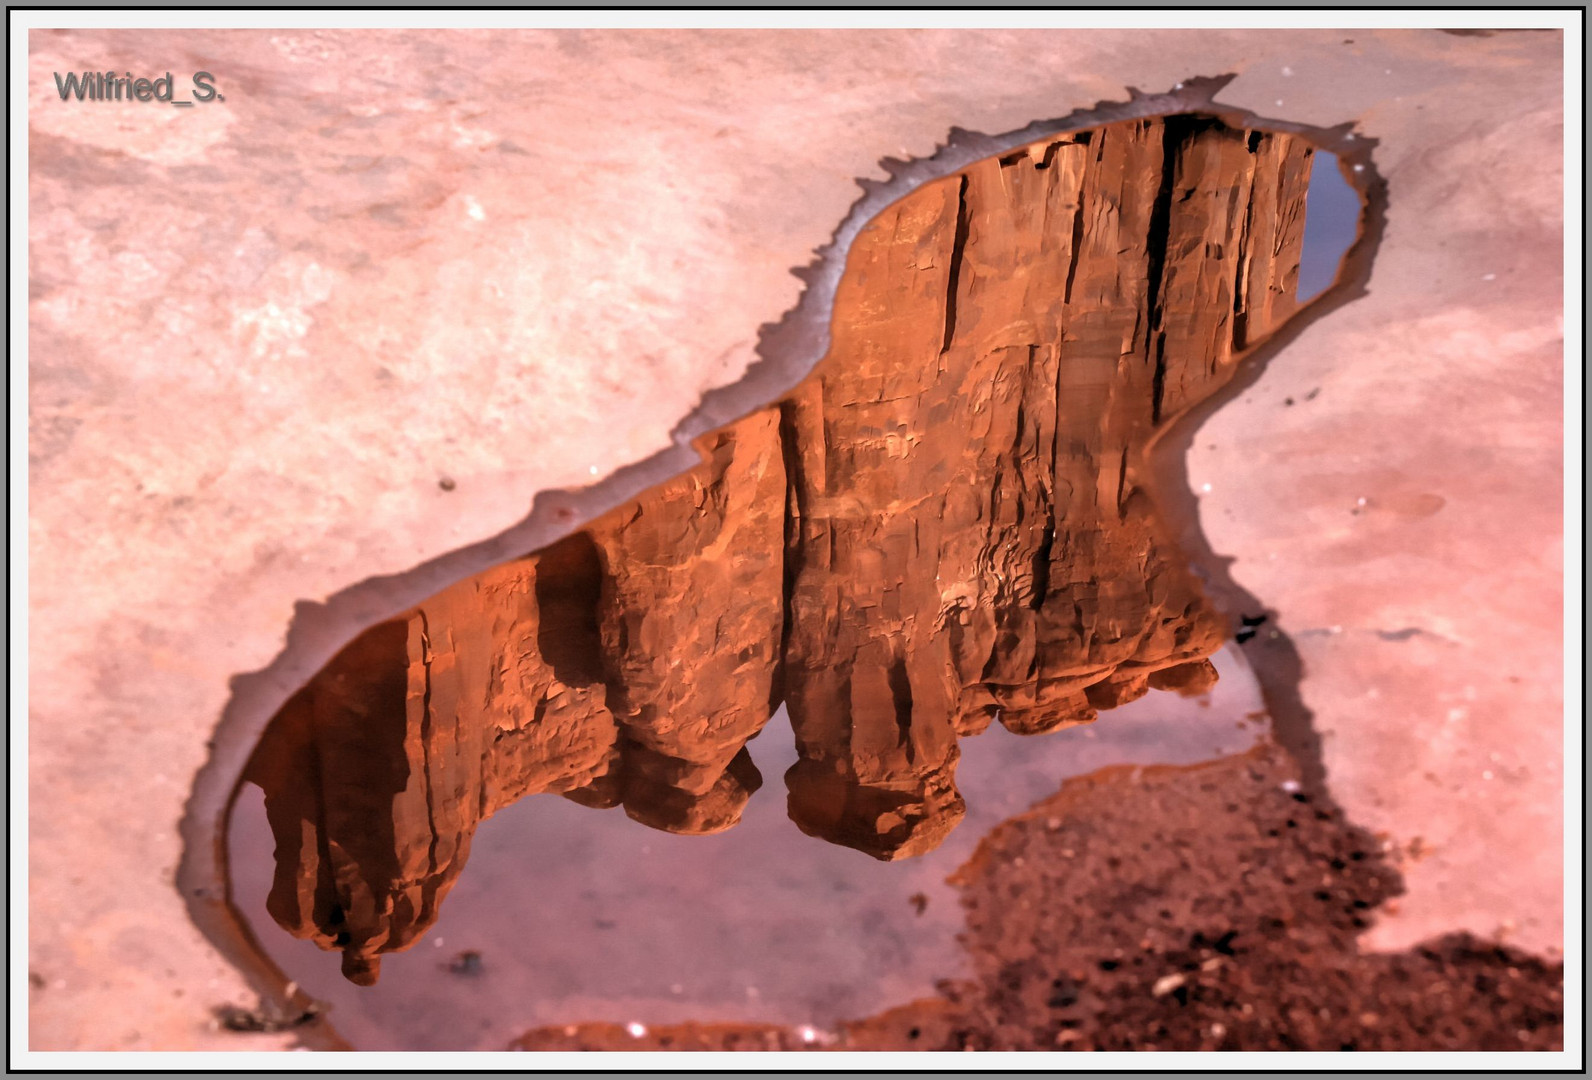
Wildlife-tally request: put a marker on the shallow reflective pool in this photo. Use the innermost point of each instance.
(783, 696)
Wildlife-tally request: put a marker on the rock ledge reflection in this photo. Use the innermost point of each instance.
(941, 528)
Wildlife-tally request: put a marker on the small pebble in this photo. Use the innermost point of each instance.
(1167, 983)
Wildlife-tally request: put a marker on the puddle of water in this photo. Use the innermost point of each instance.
(1332, 219)
(940, 534)
(577, 914)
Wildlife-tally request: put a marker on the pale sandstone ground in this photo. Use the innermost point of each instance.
(261, 332)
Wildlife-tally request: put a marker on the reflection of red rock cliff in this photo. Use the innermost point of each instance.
(968, 538)
(556, 673)
(941, 526)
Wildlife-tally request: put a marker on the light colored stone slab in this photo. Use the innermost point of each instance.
(262, 331)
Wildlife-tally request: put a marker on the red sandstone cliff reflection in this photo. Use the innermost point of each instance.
(940, 528)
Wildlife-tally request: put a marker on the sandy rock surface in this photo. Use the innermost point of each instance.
(264, 330)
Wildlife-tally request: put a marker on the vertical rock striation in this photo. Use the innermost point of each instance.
(969, 536)
(941, 527)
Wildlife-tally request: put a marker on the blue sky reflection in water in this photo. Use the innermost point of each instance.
(1332, 218)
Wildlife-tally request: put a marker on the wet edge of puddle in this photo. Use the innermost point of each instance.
(787, 352)
(675, 928)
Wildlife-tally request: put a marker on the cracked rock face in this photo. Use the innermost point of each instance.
(942, 527)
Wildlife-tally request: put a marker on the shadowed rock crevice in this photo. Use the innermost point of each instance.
(943, 526)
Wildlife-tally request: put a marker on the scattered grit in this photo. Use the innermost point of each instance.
(1206, 908)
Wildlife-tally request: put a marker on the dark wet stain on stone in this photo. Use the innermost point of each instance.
(1248, 626)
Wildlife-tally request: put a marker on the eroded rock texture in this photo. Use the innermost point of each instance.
(941, 527)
